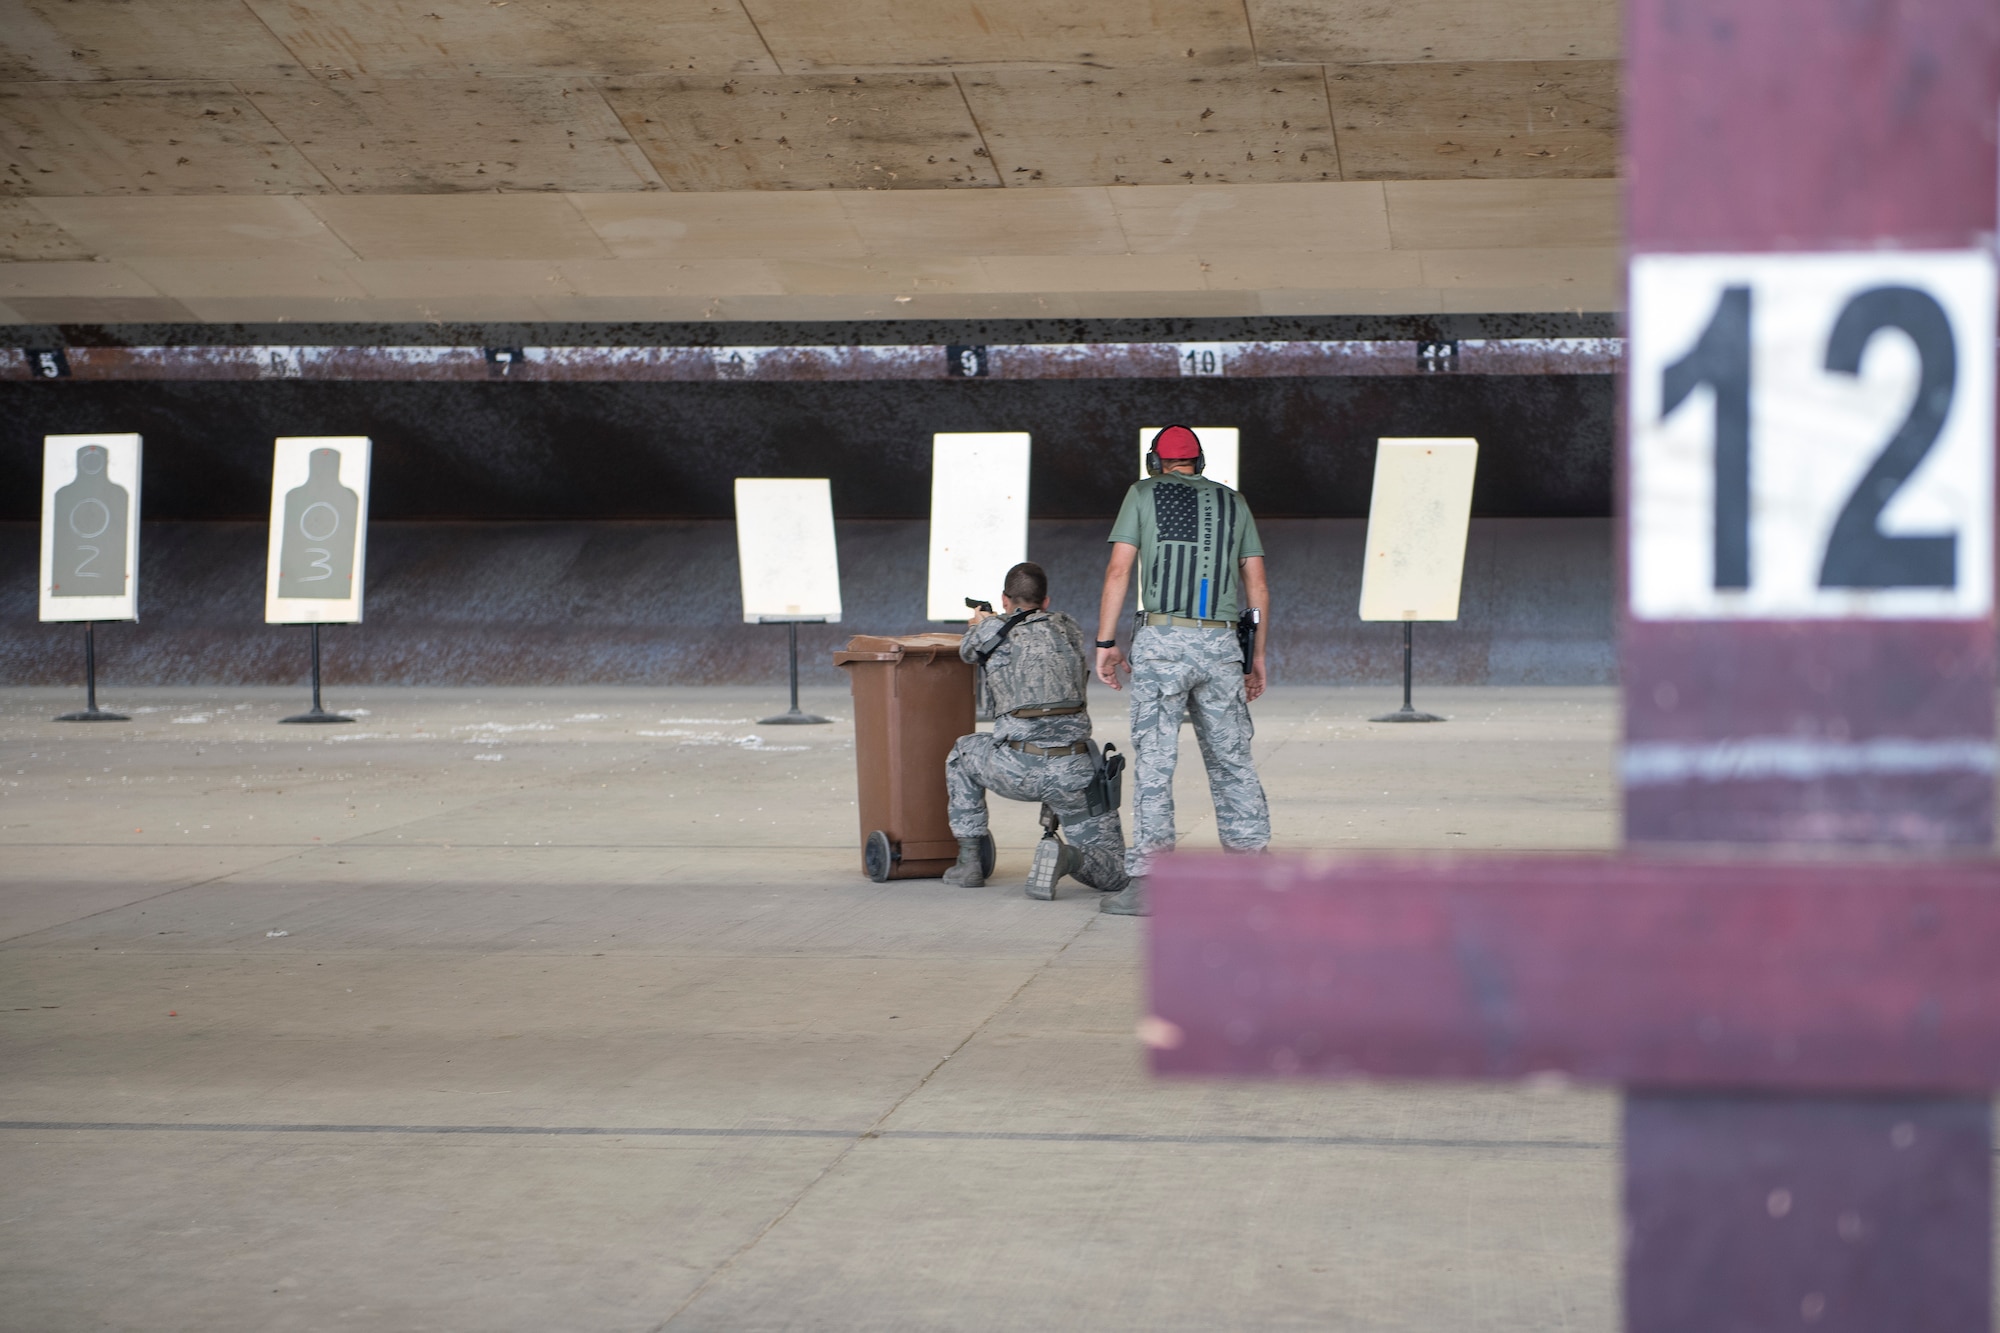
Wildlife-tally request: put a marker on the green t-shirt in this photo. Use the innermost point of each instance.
(1190, 532)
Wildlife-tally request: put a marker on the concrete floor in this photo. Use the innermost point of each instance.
(512, 1009)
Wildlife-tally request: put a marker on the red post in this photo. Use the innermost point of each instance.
(1808, 1048)
(1830, 170)
(1779, 129)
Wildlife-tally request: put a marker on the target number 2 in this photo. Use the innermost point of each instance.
(1812, 436)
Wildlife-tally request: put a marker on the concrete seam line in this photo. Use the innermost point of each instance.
(874, 1131)
(926, 1135)
(151, 897)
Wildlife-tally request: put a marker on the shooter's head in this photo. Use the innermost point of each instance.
(1026, 588)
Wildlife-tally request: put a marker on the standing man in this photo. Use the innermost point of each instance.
(1199, 558)
(1039, 748)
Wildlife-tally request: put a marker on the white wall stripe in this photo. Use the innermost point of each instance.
(1657, 763)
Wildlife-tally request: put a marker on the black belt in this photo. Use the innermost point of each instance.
(1049, 751)
(1046, 712)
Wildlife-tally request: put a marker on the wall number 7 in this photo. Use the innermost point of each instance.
(1858, 553)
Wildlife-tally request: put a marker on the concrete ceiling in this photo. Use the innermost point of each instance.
(544, 159)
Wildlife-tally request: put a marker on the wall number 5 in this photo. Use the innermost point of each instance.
(1812, 435)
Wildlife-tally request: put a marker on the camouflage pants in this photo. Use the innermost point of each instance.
(979, 764)
(1199, 672)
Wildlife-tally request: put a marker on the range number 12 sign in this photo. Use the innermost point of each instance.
(1812, 436)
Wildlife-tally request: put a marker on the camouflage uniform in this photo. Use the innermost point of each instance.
(1040, 664)
(1191, 533)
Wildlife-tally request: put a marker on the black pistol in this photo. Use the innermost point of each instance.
(974, 604)
(1246, 635)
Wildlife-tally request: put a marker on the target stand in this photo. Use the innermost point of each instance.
(1407, 713)
(91, 712)
(793, 716)
(315, 714)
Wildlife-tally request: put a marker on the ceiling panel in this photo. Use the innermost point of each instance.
(659, 277)
(1511, 119)
(890, 277)
(1569, 298)
(964, 222)
(861, 35)
(460, 226)
(26, 233)
(888, 132)
(462, 38)
(143, 138)
(460, 277)
(1578, 278)
(723, 225)
(262, 226)
(1331, 215)
(188, 278)
(1468, 215)
(1297, 248)
(152, 39)
(1147, 127)
(428, 136)
(59, 278)
(1347, 301)
(1317, 270)
(99, 310)
(1096, 273)
(1354, 32)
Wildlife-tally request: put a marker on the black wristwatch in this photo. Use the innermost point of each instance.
(1107, 643)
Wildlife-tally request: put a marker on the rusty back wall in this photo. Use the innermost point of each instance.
(541, 533)
(641, 450)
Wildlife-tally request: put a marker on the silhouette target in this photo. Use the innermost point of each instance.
(91, 518)
(316, 552)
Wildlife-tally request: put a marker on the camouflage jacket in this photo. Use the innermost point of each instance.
(1040, 663)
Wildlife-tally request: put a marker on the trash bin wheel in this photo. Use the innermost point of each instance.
(878, 856)
(987, 855)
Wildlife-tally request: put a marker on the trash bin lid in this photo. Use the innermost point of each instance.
(894, 648)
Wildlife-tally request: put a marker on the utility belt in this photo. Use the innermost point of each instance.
(1159, 619)
(1245, 626)
(1106, 787)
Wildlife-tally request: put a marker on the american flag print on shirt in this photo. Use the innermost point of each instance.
(1193, 564)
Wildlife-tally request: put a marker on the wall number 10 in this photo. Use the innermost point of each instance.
(1203, 359)
(1812, 435)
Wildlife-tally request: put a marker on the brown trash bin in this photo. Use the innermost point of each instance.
(912, 701)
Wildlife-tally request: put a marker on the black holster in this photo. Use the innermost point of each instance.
(1107, 784)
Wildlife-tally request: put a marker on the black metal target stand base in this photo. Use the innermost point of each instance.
(316, 713)
(91, 712)
(792, 717)
(1406, 713)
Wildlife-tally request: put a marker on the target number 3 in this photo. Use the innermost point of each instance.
(1812, 436)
